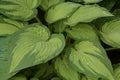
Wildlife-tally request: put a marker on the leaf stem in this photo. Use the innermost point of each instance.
(109, 49)
(38, 20)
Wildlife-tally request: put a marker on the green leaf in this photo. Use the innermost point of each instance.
(92, 1)
(59, 26)
(85, 77)
(8, 26)
(56, 78)
(110, 33)
(90, 59)
(82, 32)
(4, 58)
(23, 10)
(45, 4)
(76, 0)
(61, 11)
(108, 4)
(87, 13)
(19, 77)
(117, 72)
(34, 45)
(64, 69)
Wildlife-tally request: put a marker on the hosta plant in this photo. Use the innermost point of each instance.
(59, 39)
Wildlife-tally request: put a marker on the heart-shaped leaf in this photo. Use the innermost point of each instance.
(8, 26)
(34, 45)
(87, 13)
(64, 69)
(110, 33)
(90, 59)
(19, 9)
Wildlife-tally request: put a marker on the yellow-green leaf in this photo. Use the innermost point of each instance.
(23, 10)
(110, 33)
(87, 13)
(90, 59)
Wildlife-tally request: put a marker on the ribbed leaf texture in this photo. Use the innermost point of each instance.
(110, 33)
(64, 69)
(75, 13)
(9, 26)
(23, 10)
(90, 59)
(34, 45)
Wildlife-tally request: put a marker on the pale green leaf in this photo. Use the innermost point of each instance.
(110, 33)
(61, 11)
(87, 13)
(45, 4)
(82, 32)
(92, 1)
(23, 10)
(64, 69)
(34, 45)
(8, 26)
(90, 59)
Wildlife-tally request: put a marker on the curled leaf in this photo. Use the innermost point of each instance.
(64, 69)
(110, 33)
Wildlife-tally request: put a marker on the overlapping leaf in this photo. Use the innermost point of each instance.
(92, 1)
(82, 32)
(8, 26)
(45, 4)
(110, 33)
(61, 11)
(87, 13)
(34, 45)
(90, 59)
(65, 70)
(117, 72)
(19, 9)
(4, 59)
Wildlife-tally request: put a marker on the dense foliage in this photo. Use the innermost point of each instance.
(59, 39)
